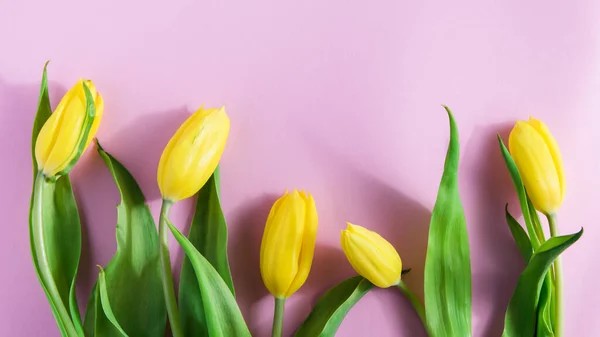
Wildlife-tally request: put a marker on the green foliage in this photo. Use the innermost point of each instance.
(521, 314)
(332, 307)
(133, 281)
(208, 234)
(447, 265)
(222, 314)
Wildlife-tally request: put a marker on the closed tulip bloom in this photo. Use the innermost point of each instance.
(193, 154)
(68, 131)
(288, 243)
(538, 159)
(371, 256)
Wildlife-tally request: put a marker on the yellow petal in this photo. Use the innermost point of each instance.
(552, 145)
(267, 233)
(536, 167)
(309, 239)
(166, 154)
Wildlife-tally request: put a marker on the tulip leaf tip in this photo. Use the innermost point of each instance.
(100, 148)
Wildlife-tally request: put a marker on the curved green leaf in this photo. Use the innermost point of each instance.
(43, 113)
(544, 310)
(448, 264)
(545, 328)
(223, 316)
(332, 307)
(132, 276)
(520, 320)
(520, 187)
(519, 235)
(60, 221)
(104, 299)
(208, 234)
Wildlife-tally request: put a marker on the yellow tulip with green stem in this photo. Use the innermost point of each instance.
(186, 164)
(287, 249)
(58, 145)
(375, 259)
(539, 162)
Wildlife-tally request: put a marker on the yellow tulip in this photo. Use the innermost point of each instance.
(288, 243)
(538, 159)
(371, 256)
(68, 131)
(193, 154)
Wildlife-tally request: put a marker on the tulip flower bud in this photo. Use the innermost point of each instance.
(69, 130)
(538, 159)
(288, 243)
(192, 154)
(371, 256)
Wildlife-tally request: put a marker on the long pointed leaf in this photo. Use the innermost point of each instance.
(520, 187)
(106, 307)
(208, 234)
(332, 307)
(448, 266)
(519, 235)
(133, 275)
(520, 320)
(223, 316)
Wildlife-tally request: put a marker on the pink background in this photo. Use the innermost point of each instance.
(340, 98)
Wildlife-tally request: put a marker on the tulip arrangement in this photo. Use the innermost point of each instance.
(535, 165)
(135, 295)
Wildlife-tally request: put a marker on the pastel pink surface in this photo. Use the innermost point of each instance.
(336, 97)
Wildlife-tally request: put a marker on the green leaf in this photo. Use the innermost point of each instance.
(521, 314)
(545, 328)
(447, 265)
(518, 182)
(106, 307)
(43, 113)
(332, 307)
(60, 223)
(132, 276)
(223, 316)
(208, 234)
(544, 310)
(519, 235)
(546, 307)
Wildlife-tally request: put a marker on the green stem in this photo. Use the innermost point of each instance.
(416, 303)
(278, 317)
(41, 257)
(166, 272)
(557, 279)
